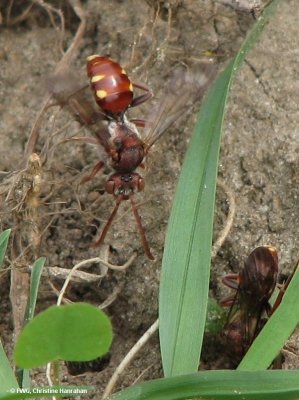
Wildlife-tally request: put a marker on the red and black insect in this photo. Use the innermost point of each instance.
(124, 146)
(113, 90)
(254, 285)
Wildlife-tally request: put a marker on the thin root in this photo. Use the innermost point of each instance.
(230, 218)
(128, 358)
(104, 268)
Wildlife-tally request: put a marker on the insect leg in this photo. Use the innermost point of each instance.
(141, 230)
(97, 168)
(142, 98)
(108, 223)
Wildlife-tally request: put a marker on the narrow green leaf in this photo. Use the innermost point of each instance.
(23, 375)
(76, 332)
(218, 385)
(276, 332)
(255, 32)
(34, 284)
(186, 261)
(3, 244)
(7, 378)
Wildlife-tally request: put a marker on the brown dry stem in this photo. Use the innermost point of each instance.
(26, 238)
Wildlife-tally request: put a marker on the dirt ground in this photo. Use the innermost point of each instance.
(259, 155)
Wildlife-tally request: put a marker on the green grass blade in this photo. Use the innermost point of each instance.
(276, 332)
(34, 284)
(3, 244)
(218, 385)
(23, 374)
(254, 34)
(7, 378)
(186, 261)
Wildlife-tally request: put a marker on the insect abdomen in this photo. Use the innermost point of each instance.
(112, 88)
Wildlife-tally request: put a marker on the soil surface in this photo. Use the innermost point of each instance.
(259, 156)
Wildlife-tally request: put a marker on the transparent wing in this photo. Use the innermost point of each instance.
(182, 92)
(70, 94)
(77, 99)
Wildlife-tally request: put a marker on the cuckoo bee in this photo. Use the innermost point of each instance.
(125, 147)
(254, 285)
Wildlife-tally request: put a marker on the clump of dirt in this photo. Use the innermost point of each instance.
(259, 156)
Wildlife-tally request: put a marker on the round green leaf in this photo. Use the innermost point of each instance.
(76, 332)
